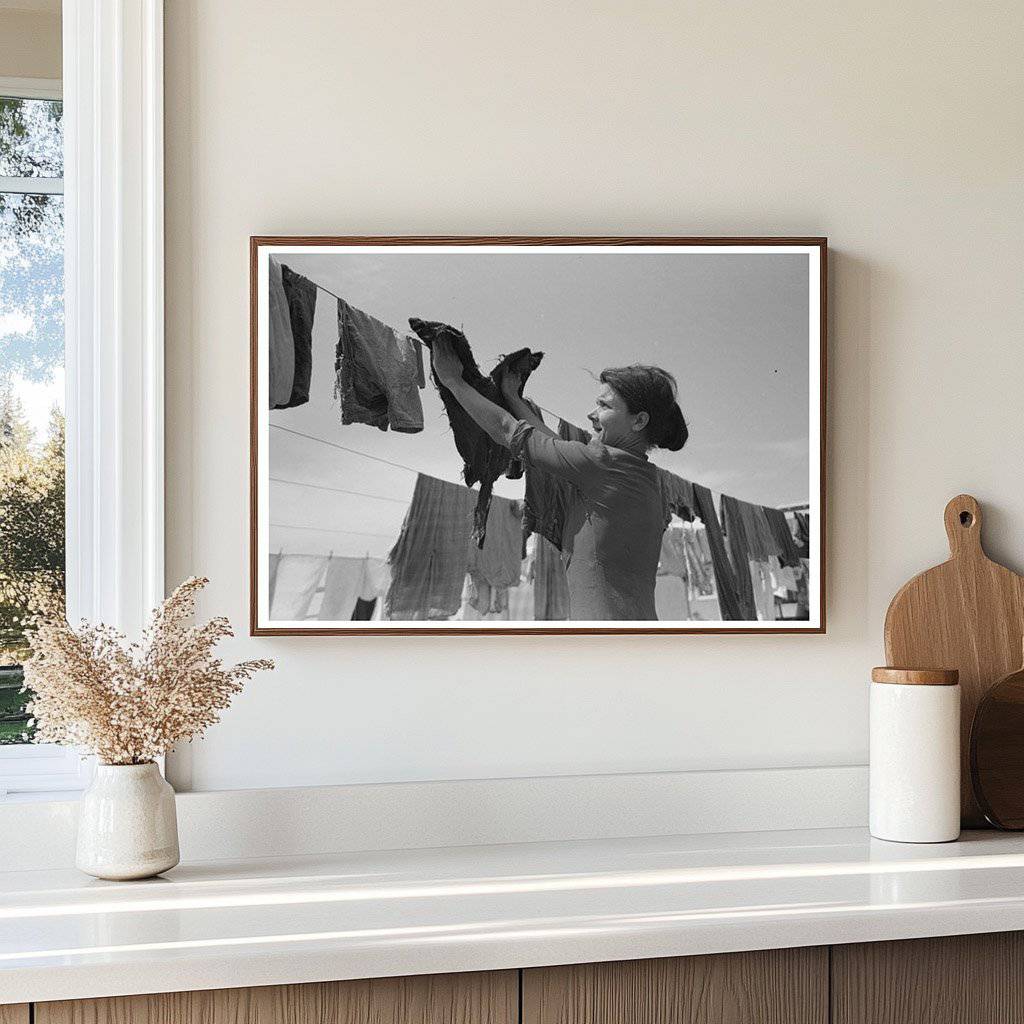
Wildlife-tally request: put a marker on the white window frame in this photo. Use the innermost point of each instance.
(114, 329)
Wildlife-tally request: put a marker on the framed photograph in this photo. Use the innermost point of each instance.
(537, 435)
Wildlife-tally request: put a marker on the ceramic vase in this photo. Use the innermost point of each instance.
(127, 825)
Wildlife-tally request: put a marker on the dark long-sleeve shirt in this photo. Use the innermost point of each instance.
(615, 552)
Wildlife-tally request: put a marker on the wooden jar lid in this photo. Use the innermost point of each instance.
(916, 676)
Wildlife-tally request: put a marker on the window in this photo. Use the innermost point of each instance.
(32, 513)
(111, 176)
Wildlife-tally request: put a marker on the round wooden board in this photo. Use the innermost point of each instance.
(997, 753)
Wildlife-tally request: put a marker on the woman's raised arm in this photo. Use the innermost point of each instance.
(499, 424)
(521, 409)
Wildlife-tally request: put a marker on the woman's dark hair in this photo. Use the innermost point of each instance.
(652, 390)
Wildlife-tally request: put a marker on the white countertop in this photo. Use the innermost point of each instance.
(222, 924)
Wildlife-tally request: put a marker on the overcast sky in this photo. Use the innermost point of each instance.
(733, 328)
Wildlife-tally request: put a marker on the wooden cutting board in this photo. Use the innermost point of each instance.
(967, 614)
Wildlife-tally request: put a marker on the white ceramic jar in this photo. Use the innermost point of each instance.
(127, 824)
(915, 755)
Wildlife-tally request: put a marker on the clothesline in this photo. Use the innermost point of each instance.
(351, 451)
(340, 490)
(327, 529)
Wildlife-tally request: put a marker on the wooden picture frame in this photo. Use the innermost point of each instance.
(303, 248)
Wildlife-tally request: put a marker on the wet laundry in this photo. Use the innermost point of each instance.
(671, 590)
(550, 582)
(428, 561)
(281, 347)
(378, 374)
(725, 578)
(787, 551)
(678, 495)
(672, 599)
(291, 337)
(739, 548)
(802, 533)
(499, 561)
(482, 601)
(295, 585)
(698, 562)
(761, 584)
(347, 581)
(484, 460)
(784, 580)
(274, 560)
(672, 561)
(760, 542)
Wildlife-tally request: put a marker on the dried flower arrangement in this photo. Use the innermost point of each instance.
(130, 703)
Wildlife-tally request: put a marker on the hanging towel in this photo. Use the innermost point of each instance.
(272, 579)
(343, 586)
(760, 542)
(428, 561)
(802, 533)
(300, 297)
(761, 583)
(672, 599)
(698, 568)
(378, 375)
(765, 543)
(739, 549)
(482, 601)
(787, 554)
(725, 579)
(671, 588)
(784, 580)
(297, 580)
(281, 347)
(376, 579)
(550, 583)
(484, 460)
(499, 561)
(672, 561)
(678, 494)
(554, 507)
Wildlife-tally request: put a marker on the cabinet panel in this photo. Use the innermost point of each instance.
(778, 986)
(14, 1013)
(961, 979)
(478, 998)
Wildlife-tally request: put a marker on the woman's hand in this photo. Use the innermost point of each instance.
(511, 385)
(446, 363)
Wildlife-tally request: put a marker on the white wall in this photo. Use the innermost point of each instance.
(895, 129)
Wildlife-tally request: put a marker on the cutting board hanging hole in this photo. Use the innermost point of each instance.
(963, 526)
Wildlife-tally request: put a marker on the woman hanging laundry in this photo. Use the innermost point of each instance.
(614, 564)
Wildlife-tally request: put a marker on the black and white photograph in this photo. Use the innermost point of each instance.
(537, 435)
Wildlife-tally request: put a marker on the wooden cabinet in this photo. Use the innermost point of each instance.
(479, 998)
(967, 979)
(963, 979)
(778, 986)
